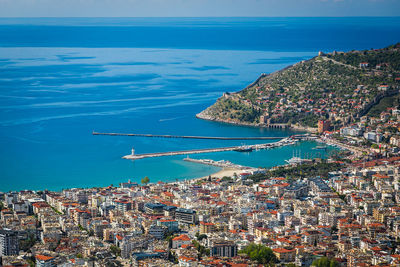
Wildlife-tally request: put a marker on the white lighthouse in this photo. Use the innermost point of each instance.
(133, 152)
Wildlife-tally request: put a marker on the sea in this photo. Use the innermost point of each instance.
(63, 78)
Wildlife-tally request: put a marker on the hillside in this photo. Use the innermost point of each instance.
(339, 86)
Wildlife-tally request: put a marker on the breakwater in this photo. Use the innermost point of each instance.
(192, 137)
(283, 142)
(221, 163)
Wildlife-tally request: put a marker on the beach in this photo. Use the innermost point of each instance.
(222, 173)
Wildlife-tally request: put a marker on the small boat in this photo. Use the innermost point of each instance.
(244, 149)
(295, 160)
(320, 148)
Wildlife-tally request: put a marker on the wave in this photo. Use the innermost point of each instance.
(170, 119)
(101, 113)
(93, 102)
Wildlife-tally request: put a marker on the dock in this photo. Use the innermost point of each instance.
(283, 142)
(220, 163)
(192, 137)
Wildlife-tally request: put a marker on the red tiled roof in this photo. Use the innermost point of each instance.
(169, 194)
(181, 238)
(282, 250)
(184, 258)
(44, 257)
(206, 223)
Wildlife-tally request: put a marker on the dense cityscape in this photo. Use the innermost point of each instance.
(149, 85)
(341, 211)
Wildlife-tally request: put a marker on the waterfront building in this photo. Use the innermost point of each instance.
(351, 131)
(323, 125)
(129, 184)
(373, 136)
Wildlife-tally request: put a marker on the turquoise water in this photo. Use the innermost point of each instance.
(60, 79)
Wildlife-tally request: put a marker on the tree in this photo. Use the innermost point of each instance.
(145, 180)
(115, 250)
(201, 249)
(260, 253)
(201, 237)
(26, 244)
(325, 262)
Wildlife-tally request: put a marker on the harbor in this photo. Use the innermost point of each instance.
(191, 137)
(248, 148)
(225, 164)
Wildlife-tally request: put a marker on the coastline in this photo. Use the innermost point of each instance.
(292, 127)
(219, 174)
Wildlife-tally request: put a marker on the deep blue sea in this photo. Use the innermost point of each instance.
(60, 79)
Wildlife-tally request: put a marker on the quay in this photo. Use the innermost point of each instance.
(191, 137)
(221, 163)
(283, 142)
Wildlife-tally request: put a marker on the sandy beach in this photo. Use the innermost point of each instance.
(224, 172)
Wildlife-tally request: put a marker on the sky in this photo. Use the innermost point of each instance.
(198, 8)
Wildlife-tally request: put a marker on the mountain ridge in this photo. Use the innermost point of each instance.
(338, 86)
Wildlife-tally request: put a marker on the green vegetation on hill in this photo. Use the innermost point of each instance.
(383, 105)
(388, 55)
(325, 262)
(260, 253)
(304, 170)
(234, 110)
(333, 86)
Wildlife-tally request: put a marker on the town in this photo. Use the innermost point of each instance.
(338, 211)
(341, 211)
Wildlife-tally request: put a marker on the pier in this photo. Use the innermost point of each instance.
(284, 142)
(192, 137)
(221, 163)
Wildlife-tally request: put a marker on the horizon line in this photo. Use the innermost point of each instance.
(55, 17)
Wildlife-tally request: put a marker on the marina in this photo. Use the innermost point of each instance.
(220, 163)
(283, 142)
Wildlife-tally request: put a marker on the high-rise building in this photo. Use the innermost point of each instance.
(323, 125)
(9, 244)
(223, 248)
(185, 216)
